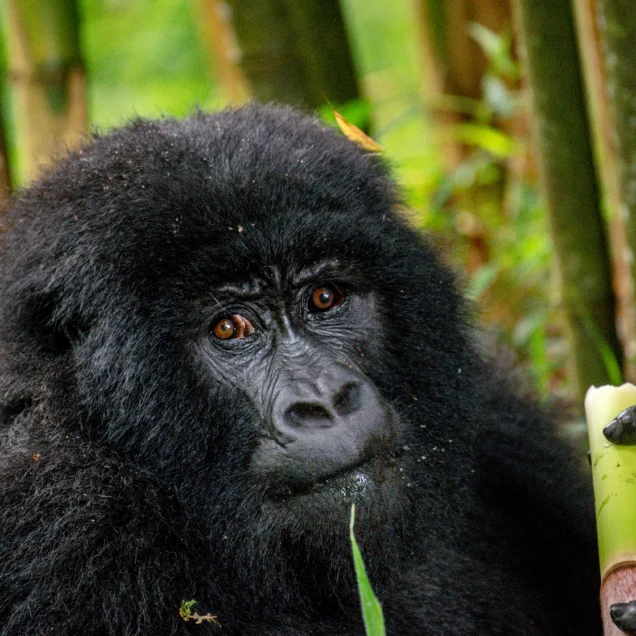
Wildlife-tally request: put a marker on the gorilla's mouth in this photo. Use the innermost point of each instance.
(360, 474)
(352, 483)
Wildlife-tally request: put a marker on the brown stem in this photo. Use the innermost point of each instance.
(619, 586)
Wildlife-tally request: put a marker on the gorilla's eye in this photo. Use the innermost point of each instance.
(325, 298)
(233, 327)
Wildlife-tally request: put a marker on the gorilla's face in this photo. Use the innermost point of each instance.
(283, 351)
(295, 343)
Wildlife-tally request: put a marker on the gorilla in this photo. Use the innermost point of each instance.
(218, 334)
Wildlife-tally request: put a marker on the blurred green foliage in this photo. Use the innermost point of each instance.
(143, 57)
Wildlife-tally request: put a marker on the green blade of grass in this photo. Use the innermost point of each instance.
(371, 608)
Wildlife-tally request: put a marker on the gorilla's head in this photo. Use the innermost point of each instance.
(232, 303)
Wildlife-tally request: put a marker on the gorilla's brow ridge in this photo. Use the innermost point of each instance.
(254, 287)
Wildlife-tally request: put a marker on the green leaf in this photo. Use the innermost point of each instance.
(497, 47)
(482, 280)
(612, 365)
(494, 141)
(371, 608)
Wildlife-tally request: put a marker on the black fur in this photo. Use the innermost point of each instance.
(124, 456)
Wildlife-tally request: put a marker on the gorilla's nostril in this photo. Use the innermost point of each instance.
(308, 415)
(348, 399)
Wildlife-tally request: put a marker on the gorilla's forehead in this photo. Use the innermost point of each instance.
(243, 182)
(234, 167)
(240, 188)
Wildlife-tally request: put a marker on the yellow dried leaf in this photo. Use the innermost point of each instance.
(353, 133)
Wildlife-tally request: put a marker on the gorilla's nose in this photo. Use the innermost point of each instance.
(322, 424)
(335, 402)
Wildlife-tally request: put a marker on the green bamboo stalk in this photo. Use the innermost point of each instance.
(294, 51)
(570, 188)
(47, 78)
(325, 48)
(614, 474)
(601, 124)
(5, 170)
(617, 26)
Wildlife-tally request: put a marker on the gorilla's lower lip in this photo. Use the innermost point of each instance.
(350, 481)
(351, 472)
(351, 485)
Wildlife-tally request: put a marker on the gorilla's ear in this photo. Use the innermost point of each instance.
(39, 322)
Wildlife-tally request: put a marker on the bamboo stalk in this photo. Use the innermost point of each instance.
(591, 53)
(570, 187)
(614, 475)
(220, 41)
(617, 27)
(47, 76)
(294, 52)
